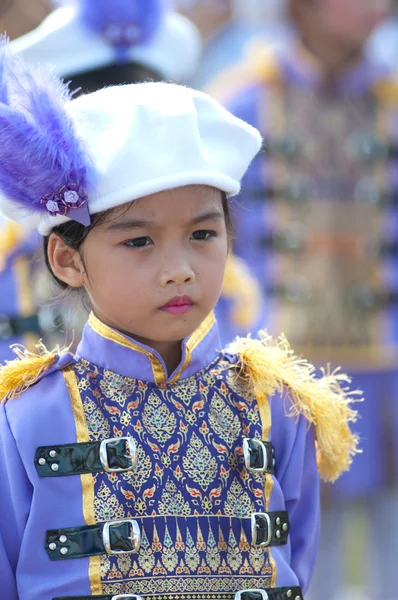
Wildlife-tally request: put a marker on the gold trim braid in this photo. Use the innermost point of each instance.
(87, 480)
(266, 421)
(326, 402)
(193, 342)
(159, 374)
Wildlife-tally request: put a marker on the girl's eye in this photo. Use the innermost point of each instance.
(203, 234)
(140, 242)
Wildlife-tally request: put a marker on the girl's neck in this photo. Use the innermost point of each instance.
(334, 58)
(170, 352)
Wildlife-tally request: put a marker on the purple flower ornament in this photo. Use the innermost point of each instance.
(70, 197)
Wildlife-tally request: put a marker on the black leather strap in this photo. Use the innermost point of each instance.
(259, 456)
(116, 454)
(11, 326)
(90, 540)
(113, 537)
(282, 593)
(296, 191)
(370, 149)
(270, 529)
(288, 147)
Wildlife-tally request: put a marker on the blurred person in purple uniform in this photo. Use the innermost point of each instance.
(87, 43)
(227, 26)
(318, 223)
(19, 322)
(17, 17)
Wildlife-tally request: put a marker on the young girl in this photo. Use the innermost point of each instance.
(96, 43)
(165, 46)
(151, 464)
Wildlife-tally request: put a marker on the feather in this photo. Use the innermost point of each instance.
(270, 366)
(40, 151)
(19, 374)
(4, 40)
(123, 22)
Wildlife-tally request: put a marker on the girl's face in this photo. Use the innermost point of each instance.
(155, 270)
(344, 23)
(354, 20)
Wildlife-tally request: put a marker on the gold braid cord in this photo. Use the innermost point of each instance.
(19, 374)
(270, 367)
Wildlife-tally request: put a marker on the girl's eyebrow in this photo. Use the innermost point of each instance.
(130, 224)
(211, 215)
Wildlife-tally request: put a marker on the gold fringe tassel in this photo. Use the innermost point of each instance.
(19, 374)
(242, 288)
(10, 236)
(271, 366)
(259, 65)
(386, 91)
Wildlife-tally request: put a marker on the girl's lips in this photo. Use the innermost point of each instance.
(177, 310)
(178, 305)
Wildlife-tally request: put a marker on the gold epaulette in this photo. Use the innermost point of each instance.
(11, 234)
(242, 288)
(259, 65)
(270, 366)
(19, 374)
(386, 91)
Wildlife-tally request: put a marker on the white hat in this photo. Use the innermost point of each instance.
(127, 142)
(65, 41)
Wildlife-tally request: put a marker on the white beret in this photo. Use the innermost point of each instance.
(149, 137)
(64, 42)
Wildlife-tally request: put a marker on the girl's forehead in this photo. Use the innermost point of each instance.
(182, 200)
(170, 206)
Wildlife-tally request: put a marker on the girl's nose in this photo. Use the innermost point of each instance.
(177, 274)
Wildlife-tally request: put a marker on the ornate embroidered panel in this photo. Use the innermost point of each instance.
(337, 234)
(325, 257)
(191, 492)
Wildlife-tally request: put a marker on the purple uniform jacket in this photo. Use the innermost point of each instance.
(16, 294)
(317, 222)
(190, 494)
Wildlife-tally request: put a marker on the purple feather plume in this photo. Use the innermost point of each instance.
(123, 23)
(40, 152)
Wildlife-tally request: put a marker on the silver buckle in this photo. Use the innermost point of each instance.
(246, 454)
(5, 327)
(135, 537)
(264, 595)
(132, 454)
(126, 597)
(254, 529)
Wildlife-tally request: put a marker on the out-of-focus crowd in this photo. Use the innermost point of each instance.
(316, 248)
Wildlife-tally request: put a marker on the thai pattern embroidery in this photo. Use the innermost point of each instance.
(191, 492)
(334, 247)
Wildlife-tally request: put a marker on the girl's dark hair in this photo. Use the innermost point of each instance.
(73, 234)
(91, 81)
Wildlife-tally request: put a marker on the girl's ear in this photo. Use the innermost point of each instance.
(66, 263)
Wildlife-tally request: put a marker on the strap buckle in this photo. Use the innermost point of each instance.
(132, 453)
(126, 597)
(251, 595)
(261, 529)
(6, 330)
(255, 455)
(134, 537)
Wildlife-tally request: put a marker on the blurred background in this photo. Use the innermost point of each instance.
(316, 222)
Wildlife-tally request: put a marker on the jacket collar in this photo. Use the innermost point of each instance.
(299, 65)
(112, 350)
